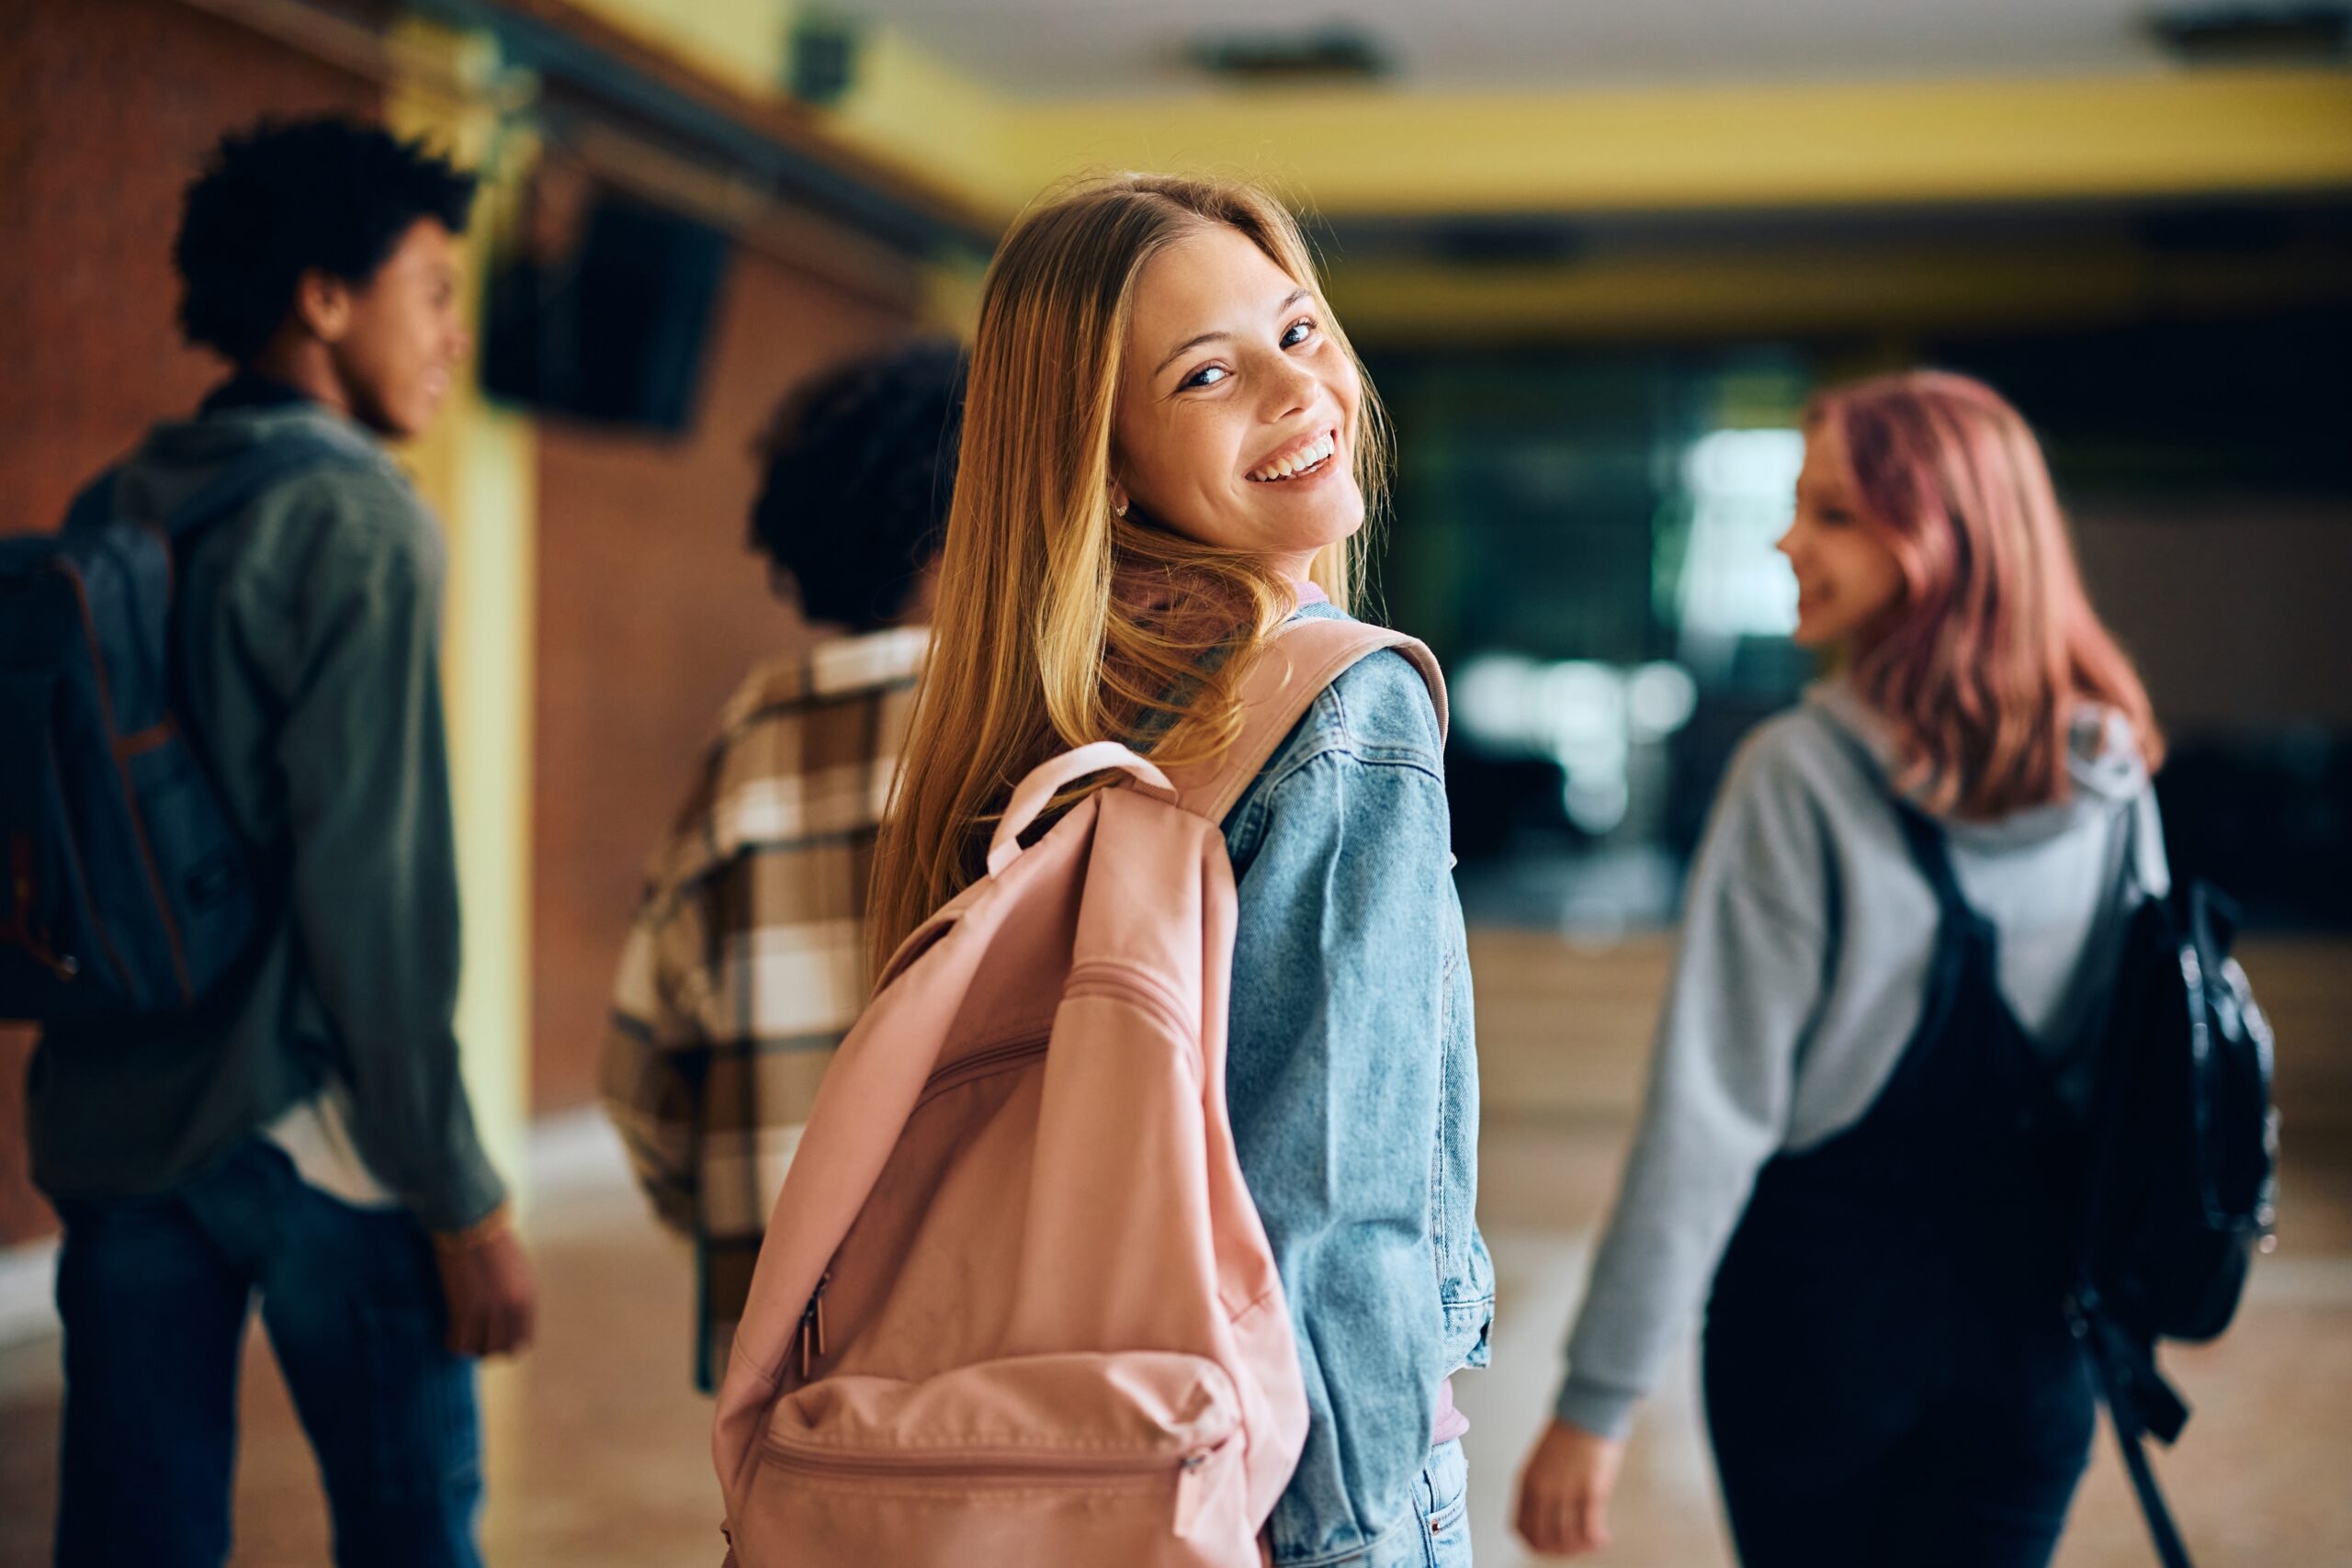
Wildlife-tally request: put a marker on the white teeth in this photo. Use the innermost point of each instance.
(1322, 449)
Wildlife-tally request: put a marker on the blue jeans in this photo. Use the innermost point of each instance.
(154, 1293)
(1444, 1498)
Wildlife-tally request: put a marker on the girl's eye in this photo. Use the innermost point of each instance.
(1298, 332)
(1834, 517)
(1206, 376)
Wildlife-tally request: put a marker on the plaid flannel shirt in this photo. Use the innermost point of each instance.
(745, 965)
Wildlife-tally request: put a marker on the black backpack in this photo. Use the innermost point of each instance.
(2183, 1160)
(124, 891)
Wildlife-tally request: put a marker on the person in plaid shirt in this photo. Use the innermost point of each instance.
(745, 965)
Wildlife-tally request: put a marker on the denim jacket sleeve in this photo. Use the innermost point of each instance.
(1346, 924)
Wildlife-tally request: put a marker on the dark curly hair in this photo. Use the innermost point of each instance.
(284, 197)
(860, 465)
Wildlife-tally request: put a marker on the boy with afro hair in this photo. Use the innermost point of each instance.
(302, 1136)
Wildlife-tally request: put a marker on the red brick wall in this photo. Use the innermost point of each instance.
(651, 610)
(110, 106)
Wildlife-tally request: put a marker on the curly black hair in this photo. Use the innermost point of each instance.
(860, 466)
(287, 197)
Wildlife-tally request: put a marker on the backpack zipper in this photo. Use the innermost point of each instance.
(998, 1468)
(984, 1465)
(812, 1323)
(812, 1336)
(979, 1064)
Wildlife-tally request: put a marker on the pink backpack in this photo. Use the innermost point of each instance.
(1016, 1306)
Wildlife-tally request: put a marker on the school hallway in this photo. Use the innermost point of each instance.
(598, 1454)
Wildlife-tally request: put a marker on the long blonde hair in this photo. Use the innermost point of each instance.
(1058, 623)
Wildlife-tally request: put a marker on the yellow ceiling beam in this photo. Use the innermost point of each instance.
(1377, 150)
(740, 43)
(1373, 152)
(910, 110)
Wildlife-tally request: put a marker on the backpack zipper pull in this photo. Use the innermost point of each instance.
(1192, 1487)
(812, 1322)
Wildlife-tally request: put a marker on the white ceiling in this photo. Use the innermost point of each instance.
(1094, 48)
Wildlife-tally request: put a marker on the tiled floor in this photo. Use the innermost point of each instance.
(598, 1452)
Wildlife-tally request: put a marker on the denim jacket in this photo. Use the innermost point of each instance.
(1354, 1088)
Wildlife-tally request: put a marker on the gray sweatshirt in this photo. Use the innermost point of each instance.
(1805, 940)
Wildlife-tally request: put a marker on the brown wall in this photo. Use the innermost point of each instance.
(2235, 610)
(650, 611)
(110, 106)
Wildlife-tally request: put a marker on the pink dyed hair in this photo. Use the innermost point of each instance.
(1996, 643)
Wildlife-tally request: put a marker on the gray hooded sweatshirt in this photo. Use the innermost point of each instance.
(1806, 935)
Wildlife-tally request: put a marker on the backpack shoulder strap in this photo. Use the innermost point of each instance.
(94, 503)
(1923, 836)
(1305, 656)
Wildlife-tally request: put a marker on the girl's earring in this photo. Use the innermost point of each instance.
(1119, 508)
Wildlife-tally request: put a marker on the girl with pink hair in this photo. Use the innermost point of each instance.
(1863, 1119)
